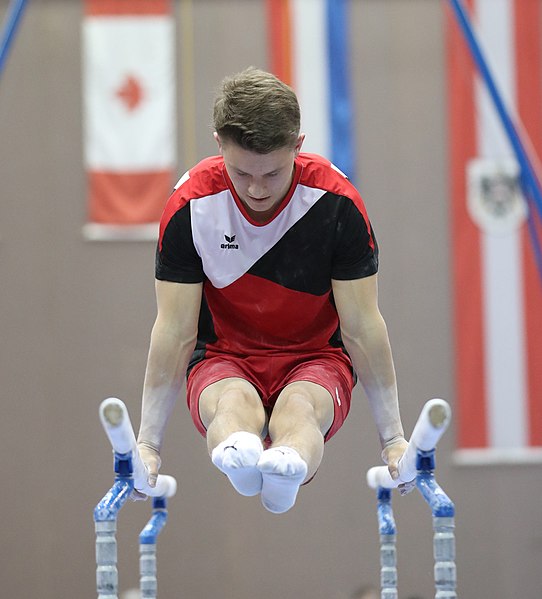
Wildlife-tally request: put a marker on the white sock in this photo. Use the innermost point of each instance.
(237, 457)
(283, 470)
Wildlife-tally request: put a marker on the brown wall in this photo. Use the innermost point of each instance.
(75, 319)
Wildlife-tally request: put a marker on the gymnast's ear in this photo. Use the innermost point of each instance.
(218, 141)
(299, 143)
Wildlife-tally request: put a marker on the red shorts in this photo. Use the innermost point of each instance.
(270, 374)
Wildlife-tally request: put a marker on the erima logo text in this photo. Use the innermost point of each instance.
(230, 245)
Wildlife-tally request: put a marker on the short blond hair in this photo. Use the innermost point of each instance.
(257, 111)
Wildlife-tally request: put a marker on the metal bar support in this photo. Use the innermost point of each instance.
(388, 551)
(443, 511)
(147, 549)
(105, 522)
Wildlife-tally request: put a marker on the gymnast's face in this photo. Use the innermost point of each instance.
(260, 180)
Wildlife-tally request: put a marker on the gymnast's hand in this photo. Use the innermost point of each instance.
(150, 456)
(391, 454)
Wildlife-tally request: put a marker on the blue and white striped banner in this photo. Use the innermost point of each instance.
(309, 50)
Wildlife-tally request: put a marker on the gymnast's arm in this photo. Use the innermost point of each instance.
(365, 337)
(172, 342)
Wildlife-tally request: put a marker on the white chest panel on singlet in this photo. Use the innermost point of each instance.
(228, 244)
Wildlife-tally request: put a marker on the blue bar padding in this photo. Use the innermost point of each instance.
(115, 498)
(153, 527)
(159, 503)
(386, 521)
(13, 18)
(123, 465)
(425, 460)
(441, 505)
(340, 100)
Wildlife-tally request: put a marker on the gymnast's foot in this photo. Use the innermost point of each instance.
(237, 458)
(283, 470)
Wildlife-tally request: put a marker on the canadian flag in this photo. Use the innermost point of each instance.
(497, 287)
(129, 115)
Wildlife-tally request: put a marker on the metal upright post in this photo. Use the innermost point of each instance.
(131, 473)
(105, 519)
(418, 463)
(443, 511)
(388, 552)
(147, 548)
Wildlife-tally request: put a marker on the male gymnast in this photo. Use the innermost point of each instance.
(266, 287)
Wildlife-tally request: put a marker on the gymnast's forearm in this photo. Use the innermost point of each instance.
(371, 355)
(164, 376)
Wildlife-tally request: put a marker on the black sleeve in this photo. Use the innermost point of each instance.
(356, 250)
(176, 256)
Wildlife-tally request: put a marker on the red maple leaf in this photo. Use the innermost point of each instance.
(130, 93)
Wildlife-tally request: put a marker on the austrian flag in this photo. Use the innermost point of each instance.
(497, 288)
(129, 115)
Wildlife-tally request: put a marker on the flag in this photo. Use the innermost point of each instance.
(497, 289)
(129, 115)
(309, 50)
